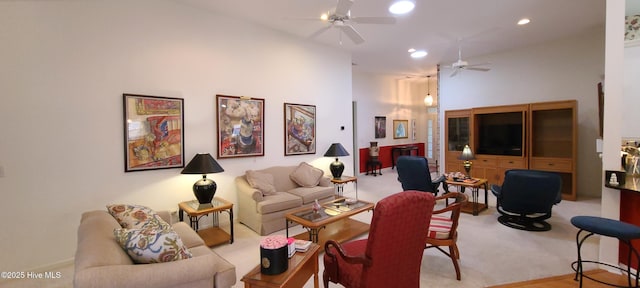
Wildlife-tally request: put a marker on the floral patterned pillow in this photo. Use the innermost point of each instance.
(136, 216)
(147, 245)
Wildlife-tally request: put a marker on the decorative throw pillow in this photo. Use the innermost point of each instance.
(306, 175)
(261, 181)
(135, 216)
(151, 246)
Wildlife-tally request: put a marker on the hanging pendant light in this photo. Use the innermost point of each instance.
(428, 100)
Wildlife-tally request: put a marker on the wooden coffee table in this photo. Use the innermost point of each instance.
(330, 222)
(301, 266)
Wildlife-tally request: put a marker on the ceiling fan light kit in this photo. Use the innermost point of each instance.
(341, 18)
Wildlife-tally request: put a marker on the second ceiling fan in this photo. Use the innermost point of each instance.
(341, 18)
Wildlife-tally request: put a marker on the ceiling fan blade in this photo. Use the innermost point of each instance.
(352, 33)
(343, 7)
(455, 71)
(478, 68)
(374, 20)
(479, 64)
(320, 31)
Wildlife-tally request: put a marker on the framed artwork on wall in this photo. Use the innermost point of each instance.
(153, 132)
(299, 129)
(400, 128)
(240, 126)
(380, 127)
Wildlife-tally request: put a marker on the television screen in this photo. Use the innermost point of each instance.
(500, 139)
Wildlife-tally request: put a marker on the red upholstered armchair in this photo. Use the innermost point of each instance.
(392, 254)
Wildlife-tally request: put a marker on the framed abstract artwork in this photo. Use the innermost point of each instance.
(299, 129)
(153, 132)
(240, 126)
(400, 128)
(380, 127)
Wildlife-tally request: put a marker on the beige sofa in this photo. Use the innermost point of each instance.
(265, 213)
(101, 262)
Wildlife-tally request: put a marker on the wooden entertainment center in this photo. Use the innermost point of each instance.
(540, 136)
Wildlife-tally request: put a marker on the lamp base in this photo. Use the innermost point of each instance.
(204, 190)
(336, 168)
(467, 168)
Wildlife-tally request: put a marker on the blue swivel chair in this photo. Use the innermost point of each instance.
(526, 197)
(414, 174)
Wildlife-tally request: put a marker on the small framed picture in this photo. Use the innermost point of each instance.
(240, 126)
(380, 127)
(400, 129)
(299, 129)
(153, 132)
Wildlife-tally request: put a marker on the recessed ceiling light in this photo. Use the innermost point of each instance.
(419, 54)
(524, 21)
(411, 50)
(402, 7)
(324, 17)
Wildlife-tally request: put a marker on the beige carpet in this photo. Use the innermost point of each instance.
(491, 254)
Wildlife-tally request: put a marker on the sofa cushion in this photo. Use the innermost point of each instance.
(280, 201)
(151, 246)
(261, 181)
(133, 216)
(306, 175)
(309, 195)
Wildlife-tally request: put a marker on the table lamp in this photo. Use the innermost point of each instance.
(336, 167)
(205, 188)
(466, 156)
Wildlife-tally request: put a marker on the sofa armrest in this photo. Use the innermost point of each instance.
(168, 274)
(246, 191)
(165, 215)
(325, 181)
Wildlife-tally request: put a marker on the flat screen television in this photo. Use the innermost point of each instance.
(500, 139)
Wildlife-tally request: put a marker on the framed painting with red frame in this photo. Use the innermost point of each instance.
(240, 126)
(153, 132)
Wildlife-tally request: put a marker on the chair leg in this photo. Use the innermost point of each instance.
(325, 280)
(453, 253)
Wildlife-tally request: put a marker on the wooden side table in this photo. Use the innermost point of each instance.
(215, 235)
(339, 184)
(472, 206)
(301, 266)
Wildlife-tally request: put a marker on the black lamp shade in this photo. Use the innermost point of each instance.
(336, 167)
(336, 150)
(204, 189)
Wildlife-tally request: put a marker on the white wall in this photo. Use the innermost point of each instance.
(65, 66)
(559, 70)
(391, 96)
(630, 115)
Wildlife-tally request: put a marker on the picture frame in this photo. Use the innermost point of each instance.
(240, 126)
(153, 132)
(299, 129)
(400, 129)
(380, 127)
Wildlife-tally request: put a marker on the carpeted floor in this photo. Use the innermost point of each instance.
(491, 254)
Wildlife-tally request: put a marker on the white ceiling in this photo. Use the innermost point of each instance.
(484, 26)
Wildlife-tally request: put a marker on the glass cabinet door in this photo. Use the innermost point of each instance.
(457, 133)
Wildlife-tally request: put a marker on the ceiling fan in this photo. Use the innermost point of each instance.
(341, 18)
(464, 65)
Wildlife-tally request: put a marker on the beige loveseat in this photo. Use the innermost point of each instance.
(101, 262)
(264, 212)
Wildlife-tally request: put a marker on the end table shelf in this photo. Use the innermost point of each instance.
(215, 235)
